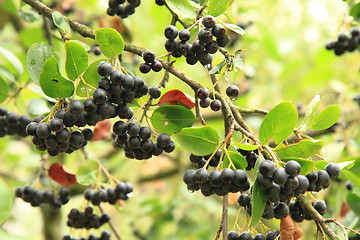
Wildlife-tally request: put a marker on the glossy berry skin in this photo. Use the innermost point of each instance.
(202, 175)
(163, 140)
(232, 235)
(205, 36)
(323, 178)
(160, 2)
(245, 236)
(244, 200)
(202, 93)
(204, 103)
(333, 170)
(209, 21)
(279, 176)
(215, 105)
(218, 30)
(144, 68)
(148, 56)
(259, 237)
(43, 130)
(312, 177)
(104, 69)
(184, 35)
(281, 210)
(156, 66)
(292, 168)
(223, 41)
(227, 175)
(76, 107)
(154, 92)
(171, 32)
(99, 95)
(320, 206)
(233, 92)
(144, 132)
(267, 168)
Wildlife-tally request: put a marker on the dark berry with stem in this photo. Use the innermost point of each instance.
(333, 170)
(163, 140)
(104, 69)
(244, 200)
(154, 92)
(99, 95)
(267, 168)
(292, 168)
(205, 36)
(218, 30)
(171, 32)
(279, 176)
(184, 35)
(148, 56)
(215, 105)
(233, 92)
(320, 206)
(209, 21)
(202, 93)
(156, 66)
(223, 41)
(204, 103)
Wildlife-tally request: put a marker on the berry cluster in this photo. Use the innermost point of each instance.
(345, 43)
(298, 214)
(232, 235)
(11, 123)
(105, 235)
(86, 219)
(203, 94)
(36, 197)
(150, 62)
(136, 141)
(119, 8)
(201, 49)
(108, 101)
(250, 157)
(200, 161)
(122, 191)
(216, 182)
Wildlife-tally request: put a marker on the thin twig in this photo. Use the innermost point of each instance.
(111, 226)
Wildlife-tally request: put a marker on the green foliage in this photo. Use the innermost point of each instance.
(88, 172)
(199, 141)
(218, 7)
(76, 59)
(91, 77)
(353, 199)
(110, 42)
(53, 83)
(310, 113)
(238, 160)
(4, 89)
(235, 28)
(13, 60)
(183, 9)
(355, 11)
(258, 203)
(279, 123)
(171, 119)
(246, 147)
(36, 56)
(303, 149)
(6, 204)
(61, 22)
(326, 118)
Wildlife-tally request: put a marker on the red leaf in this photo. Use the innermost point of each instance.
(174, 97)
(102, 130)
(57, 173)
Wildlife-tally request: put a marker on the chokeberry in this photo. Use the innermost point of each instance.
(154, 92)
(163, 140)
(215, 105)
(184, 35)
(232, 91)
(148, 56)
(333, 170)
(320, 206)
(99, 95)
(171, 32)
(156, 66)
(209, 21)
(218, 30)
(104, 69)
(205, 36)
(202, 93)
(267, 168)
(292, 168)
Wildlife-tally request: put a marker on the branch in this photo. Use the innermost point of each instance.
(224, 217)
(310, 210)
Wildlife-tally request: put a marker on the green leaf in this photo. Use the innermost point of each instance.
(306, 165)
(353, 200)
(199, 141)
(4, 90)
(13, 60)
(237, 159)
(38, 106)
(61, 22)
(246, 147)
(239, 61)
(88, 172)
(128, 68)
(217, 69)
(303, 149)
(183, 9)
(87, 47)
(110, 42)
(76, 59)
(320, 164)
(258, 203)
(355, 11)
(352, 177)
(279, 123)
(6, 74)
(202, 2)
(346, 164)
(217, 7)
(36, 56)
(171, 119)
(235, 28)
(91, 77)
(310, 114)
(6, 201)
(29, 15)
(326, 118)
(53, 83)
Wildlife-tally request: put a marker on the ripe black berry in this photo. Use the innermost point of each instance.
(171, 32)
(292, 168)
(215, 105)
(227, 175)
(156, 66)
(259, 236)
(232, 235)
(244, 200)
(320, 206)
(245, 236)
(223, 41)
(323, 178)
(43, 130)
(31, 128)
(333, 170)
(208, 21)
(144, 133)
(160, 2)
(204, 103)
(184, 35)
(154, 92)
(218, 30)
(87, 133)
(267, 168)
(99, 95)
(205, 36)
(202, 93)
(128, 82)
(312, 177)
(232, 91)
(215, 179)
(104, 69)
(163, 140)
(56, 124)
(281, 210)
(279, 176)
(148, 56)
(212, 47)
(202, 175)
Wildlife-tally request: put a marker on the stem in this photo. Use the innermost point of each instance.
(224, 216)
(111, 226)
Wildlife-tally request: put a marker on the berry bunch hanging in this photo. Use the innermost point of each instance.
(122, 191)
(37, 197)
(105, 235)
(200, 161)
(150, 62)
(272, 235)
(86, 219)
(11, 123)
(122, 8)
(201, 49)
(345, 43)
